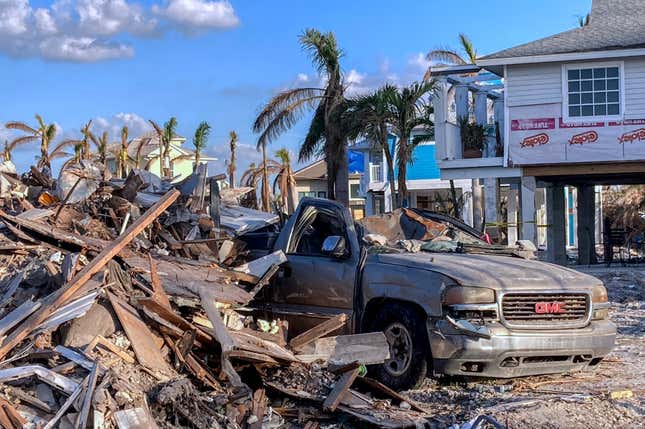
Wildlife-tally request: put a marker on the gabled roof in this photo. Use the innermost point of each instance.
(318, 171)
(613, 25)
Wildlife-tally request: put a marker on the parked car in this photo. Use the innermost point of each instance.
(443, 310)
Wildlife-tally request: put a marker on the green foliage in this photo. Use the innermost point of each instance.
(472, 134)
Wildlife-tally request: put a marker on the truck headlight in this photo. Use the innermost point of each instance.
(468, 295)
(600, 304)
(599, 294)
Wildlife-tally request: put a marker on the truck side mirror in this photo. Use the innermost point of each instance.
(334, 246)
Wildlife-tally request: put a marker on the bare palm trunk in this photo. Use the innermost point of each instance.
(402, 161)
(231, 168)
(390, 166)
(265, 181)
(342, 175)
(455, 203)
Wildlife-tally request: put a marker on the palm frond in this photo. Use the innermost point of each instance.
(315, 136)
(62, 145)
(21, 140)
(156, 127)
(322, 49)
(17, 125)
(201, 135)
(41, 123)
(50, 132)
(284, 119)
(284, 156)
(446, 56)
(280, 102)
(468, 47)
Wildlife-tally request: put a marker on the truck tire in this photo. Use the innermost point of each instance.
(405, 330)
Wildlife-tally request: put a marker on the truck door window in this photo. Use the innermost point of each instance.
(317, 228)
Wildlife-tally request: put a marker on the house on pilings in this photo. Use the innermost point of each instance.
(541, 126)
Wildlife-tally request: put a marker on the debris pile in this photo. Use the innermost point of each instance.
(128, 304)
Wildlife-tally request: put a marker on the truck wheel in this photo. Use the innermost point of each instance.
(404, 329)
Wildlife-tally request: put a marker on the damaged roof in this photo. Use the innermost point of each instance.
(613, 24)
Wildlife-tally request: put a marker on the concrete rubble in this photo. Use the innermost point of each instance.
(124, 303)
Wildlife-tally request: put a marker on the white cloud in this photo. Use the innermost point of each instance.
(419, 61)
(302, 77)
(135, 123)
(89, 30)
(191, 15)
(83, 49)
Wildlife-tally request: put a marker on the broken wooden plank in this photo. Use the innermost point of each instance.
(141, 338)
(21, 396)
(258, 409)
(369, 348)
(252, 357)
(12, 414)
(340, 388)
(159, 292)
(222, 336)
(382, 388)
(249, 342)
(62, 295)
(172, 317)
(320, 330)
(105, 343)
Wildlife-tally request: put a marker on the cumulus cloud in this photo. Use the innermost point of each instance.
(92, 30)
(192, 15)
(137, 126)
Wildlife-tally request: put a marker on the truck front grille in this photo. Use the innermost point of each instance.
(557, 310)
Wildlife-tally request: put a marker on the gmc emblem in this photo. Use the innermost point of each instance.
(549, 307)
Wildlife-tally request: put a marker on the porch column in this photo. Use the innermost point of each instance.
(512, 231)
(586, 225)
(555, 219)
(491, 207)
(498, 110)
(462, 111)
(478, 205)
(527, 196)
(444, 148)
(481, 117)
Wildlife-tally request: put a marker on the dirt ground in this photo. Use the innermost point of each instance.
(578, 400)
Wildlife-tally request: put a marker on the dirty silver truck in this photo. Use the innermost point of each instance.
(443, 308)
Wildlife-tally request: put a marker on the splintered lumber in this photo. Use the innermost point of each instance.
(56, 233)
(62, 295)
(159, 292)
(100, 340)
(171, 316)
(340, 388)
(370, 348)
(258, 408)
(382, 388)
(266, 278)
(10, 417)
(222, 336)
(318, 331)
(249, 342)
(182, 278)
(141, 337)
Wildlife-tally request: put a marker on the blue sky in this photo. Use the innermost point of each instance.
(118, 61)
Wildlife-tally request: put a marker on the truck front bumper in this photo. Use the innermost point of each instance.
(515, 353)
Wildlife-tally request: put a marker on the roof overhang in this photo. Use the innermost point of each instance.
(564, 57)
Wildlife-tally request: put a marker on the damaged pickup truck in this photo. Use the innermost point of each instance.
(447, 301)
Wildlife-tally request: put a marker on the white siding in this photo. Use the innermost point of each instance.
(635, 88)
(534, 84)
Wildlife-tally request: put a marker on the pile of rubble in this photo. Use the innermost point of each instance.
(126, 304)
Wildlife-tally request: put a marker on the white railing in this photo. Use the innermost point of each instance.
(376, 173)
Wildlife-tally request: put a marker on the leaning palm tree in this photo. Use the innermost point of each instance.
(327, 134)
(200, 139)
(254, 177)
(231, 165)
(286, 181)
(453, 56)
(410, 110)
(43, 132)
(369, 115)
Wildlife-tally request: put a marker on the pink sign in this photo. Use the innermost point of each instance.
(533, 124)
(563, 124)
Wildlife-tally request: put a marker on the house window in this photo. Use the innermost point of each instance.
(322, 194)
(311, 194)
(354, 190)
(593, 92)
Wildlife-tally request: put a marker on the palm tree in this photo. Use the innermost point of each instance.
(452, 56)
(232, 143)
(122, 158)
(327, 133)
(255, 175)
(200, 139)
(287, 182)
(165, 136)
(409, 110)
(101, 146)
(45, 132)
(369, 115)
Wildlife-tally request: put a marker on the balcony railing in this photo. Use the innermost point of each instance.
(376, 173)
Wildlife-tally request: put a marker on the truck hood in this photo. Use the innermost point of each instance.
(501, 273)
